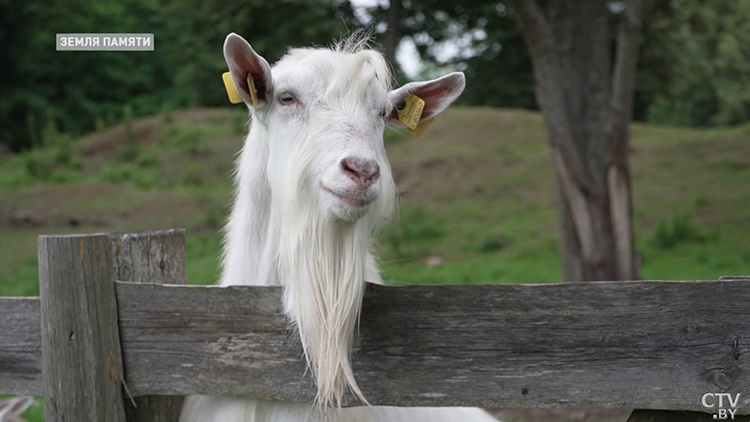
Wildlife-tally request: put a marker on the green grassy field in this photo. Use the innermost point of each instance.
(478, 192)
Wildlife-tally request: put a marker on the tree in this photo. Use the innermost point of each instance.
(587, 104)
(392, 34)
(710, 83)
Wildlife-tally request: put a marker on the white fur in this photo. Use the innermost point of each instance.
(301, 222)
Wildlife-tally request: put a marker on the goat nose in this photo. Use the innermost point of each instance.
(364, 172)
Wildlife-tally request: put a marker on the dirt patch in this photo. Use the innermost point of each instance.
(476, 178)
(24, 219)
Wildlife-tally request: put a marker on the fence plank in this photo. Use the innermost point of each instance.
(81, 358)
(20, 346)
(156, 257)
(646, 345)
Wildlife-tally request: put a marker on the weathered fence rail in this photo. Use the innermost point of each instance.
(645, 345)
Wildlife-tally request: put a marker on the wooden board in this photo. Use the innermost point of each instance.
(155, 257)
(81, 357)
(645, 345)
(20, 346)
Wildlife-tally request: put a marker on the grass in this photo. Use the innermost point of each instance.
(477, 187)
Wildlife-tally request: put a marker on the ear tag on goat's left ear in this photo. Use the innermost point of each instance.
(412, 111)
(421, 127)
(234, 96)
(253, 91)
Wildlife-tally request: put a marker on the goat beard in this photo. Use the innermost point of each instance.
(322, 267)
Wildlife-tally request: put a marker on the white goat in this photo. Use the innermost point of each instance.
(313, 187)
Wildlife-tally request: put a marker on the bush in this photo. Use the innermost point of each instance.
(168, 132)
(65, 176)
(145, 180)
(63, 151)
(679, 228)
(147, 160)
(669, 112)
(75, 163)
(494, 242)
(118, 174)
(38, 167)
(189, 138)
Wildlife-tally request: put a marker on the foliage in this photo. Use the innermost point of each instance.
(118, 174)
(81, 91)
(147, 159)
(693, 67)
(38, 167)
(494, 243)
(709, 49)
(677, 229)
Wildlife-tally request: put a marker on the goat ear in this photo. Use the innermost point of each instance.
(437, 95)
(244, 63)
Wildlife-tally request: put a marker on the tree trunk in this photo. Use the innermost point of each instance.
(391, 35)
(587, 105)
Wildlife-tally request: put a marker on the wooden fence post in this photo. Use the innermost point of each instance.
(81, 357)
(156, 257)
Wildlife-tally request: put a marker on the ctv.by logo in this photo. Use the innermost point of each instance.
(716, 401)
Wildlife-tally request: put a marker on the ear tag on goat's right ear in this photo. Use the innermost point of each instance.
(253, 91)
(234, 96)
(412, 111)
(421, 127)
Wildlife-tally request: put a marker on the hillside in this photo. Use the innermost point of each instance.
(478, 196)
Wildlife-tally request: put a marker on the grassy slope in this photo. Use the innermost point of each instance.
(477, 190)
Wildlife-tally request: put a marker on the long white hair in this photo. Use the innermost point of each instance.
(322, 260)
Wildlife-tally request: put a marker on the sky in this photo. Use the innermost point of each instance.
(406, 54)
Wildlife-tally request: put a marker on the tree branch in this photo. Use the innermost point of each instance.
(618, 177)
(535, 25)
(623, 80)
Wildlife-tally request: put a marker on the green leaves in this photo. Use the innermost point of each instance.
(184, 70)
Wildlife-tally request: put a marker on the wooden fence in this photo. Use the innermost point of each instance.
(113, 328)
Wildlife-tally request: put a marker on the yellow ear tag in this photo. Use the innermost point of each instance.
(421, 127)
(411, 112)
(253, 91)
(234, 96)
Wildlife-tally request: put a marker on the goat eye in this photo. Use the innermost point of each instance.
(286, 98)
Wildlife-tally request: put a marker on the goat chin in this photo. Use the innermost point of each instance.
(224, 409)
